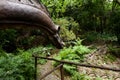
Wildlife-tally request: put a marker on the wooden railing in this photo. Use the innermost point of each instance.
(66, 62)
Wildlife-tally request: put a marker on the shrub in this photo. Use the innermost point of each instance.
(95, 37)
(21, 65)
(115, 51)
(57, 8)
(41, 51)
(90, 36)
(7, 42)
(11, 39)
(73, 54)
(68, 28)
(115, 22)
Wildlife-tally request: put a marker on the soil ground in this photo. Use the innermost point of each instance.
(98, 57)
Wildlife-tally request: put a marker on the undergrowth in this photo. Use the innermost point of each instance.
(20, 65)
(16, 67)
(95, 36)
(76, 54)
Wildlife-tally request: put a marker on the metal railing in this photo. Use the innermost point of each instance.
(66, 62)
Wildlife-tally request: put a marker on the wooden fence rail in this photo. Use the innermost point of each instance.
(67, 62)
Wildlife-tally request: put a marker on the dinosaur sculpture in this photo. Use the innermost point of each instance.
(29, 12)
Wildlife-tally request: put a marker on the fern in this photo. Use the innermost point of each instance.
(73, 54)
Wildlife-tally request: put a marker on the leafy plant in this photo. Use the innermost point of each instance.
(21, 65)
(57, 7)
(69, 28)
(7, 42)
(41, 51)
(115, 51)
(115, 22)
(73, 54)
(95, 36)
(78, 76)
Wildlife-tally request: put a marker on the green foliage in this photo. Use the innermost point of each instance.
(110, 57)
(74, 54)
(11, 39)
(21, 65)
(92, 15)
(115, 51)
(115, 22)
(85, 13)
(25, 42)
(78, 76)
(95, 36)
(7, 42)
(68, 28)
(107, 37)
(90, 36)
(98, 78)
(96, 16)
(16, 67)
(4, 37)
(41, 51)
(57, 7)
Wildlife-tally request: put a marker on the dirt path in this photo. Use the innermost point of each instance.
(43, 69)
(98, 58)
(46, 68)
(95, 58)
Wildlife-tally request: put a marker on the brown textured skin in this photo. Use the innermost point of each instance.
(31, 14)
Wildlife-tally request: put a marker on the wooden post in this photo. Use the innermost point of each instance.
(62, 72)
(35, 68)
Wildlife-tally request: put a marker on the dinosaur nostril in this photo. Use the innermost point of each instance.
(19, 0)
